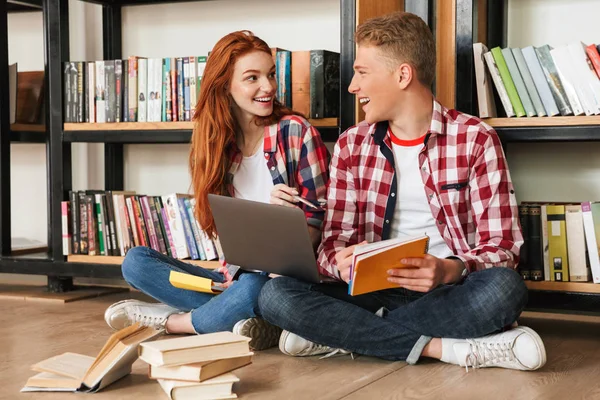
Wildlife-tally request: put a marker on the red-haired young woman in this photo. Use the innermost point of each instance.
(247, 145)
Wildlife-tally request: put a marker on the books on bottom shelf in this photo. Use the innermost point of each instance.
(71, 372)
(197, 367)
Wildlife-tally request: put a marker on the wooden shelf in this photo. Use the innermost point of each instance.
(28, 128)
(574, 287)
(140, 126)
(542, 121)
(113, 260)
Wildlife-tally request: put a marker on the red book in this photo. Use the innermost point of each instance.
(594, 57)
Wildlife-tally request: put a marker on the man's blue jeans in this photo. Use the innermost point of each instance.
(148, 271)
(485, 302)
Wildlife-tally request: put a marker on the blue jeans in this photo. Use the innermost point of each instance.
(483, 303)
(148, 271)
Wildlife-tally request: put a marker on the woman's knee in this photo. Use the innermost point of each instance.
(133, 264)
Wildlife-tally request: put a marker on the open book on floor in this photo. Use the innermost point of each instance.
(370, 262)
(71, 372)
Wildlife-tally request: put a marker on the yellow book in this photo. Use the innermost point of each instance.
(372, 261)
(557, 243)
(195, 283)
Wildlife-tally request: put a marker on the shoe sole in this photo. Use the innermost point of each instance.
(541, 349)
(263, 335)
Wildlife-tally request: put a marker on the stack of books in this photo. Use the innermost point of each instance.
(197, 367)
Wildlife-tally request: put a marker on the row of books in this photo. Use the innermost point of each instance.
(539, 81)
(308, 81)
(562, 242)
(189, 367)
(97, 222)
(134, 90)
(167, 89)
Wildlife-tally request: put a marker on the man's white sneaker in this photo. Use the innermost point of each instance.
(263, 335)
(291, 344)
(519, 348)
(127, 312)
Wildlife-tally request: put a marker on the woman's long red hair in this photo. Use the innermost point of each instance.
(214, 123)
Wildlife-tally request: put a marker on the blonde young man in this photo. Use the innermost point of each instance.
(413, 167)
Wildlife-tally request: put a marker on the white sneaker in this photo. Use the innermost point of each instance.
(263, 335)
(519, 348)
(127, 312)
(293, 345)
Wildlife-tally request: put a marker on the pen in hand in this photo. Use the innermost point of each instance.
(308, 203)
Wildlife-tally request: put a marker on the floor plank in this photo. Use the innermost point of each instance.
(30, 332)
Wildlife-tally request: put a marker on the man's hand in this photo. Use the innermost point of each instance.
(343, 261)
(283, 195)
(427, 273)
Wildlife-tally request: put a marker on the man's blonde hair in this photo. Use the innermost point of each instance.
(403, 38)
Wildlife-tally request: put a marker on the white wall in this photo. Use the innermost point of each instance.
(554, 171)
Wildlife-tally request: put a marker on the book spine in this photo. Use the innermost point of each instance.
(156, 222)
(118, 90)
(91, 100)
(100, 93)
(66, 223)
(139, 222)
(176, 225)
(508, 82)
(101, 229)
(186, 88)
(165, 220)
(500, 88)
(193, 83)
(142, 90)
(544, 223)
(187, 229)
(577, 94)
(540, 81)
(594, 57)
(111, 90)
(132, 220)
(106, 233)
(201, 65)
(125, 94)
(557, 243)
(74, 96)
(83, 224)
(174, 91)
(528, 81)
(133, 89)
(592, 239)
(523, 267)
(535, 256)
(180, 90)
(209, 248)
(86, 95)
(194, 228)
(149, 224)
(553, 79)
(91, 225)
(164, 90)
(578, 271)
(114, 234)
(317, 85)
(67, 92)
(74, 200)
(80, 92)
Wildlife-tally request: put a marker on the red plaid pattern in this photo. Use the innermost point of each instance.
(466, 180)
(297, 157)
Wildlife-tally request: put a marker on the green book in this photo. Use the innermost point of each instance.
(508, 82)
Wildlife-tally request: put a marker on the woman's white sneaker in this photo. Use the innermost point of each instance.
(127, 312)
(519, 348)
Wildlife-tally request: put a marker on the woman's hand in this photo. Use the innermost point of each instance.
(228, 279)
(283, 195)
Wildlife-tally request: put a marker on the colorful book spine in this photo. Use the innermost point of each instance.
(557, 243)
(508, 82)
(187, 229)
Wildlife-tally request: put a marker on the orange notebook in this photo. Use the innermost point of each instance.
(371, 262)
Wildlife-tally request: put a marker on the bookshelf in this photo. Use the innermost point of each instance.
(486, 21)
(59, 136)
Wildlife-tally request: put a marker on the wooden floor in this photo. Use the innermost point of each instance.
(30, 332)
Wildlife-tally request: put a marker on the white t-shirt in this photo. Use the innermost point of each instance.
(412, 215)
(252, 180)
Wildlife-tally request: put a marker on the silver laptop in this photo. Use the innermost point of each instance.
(264, 237)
